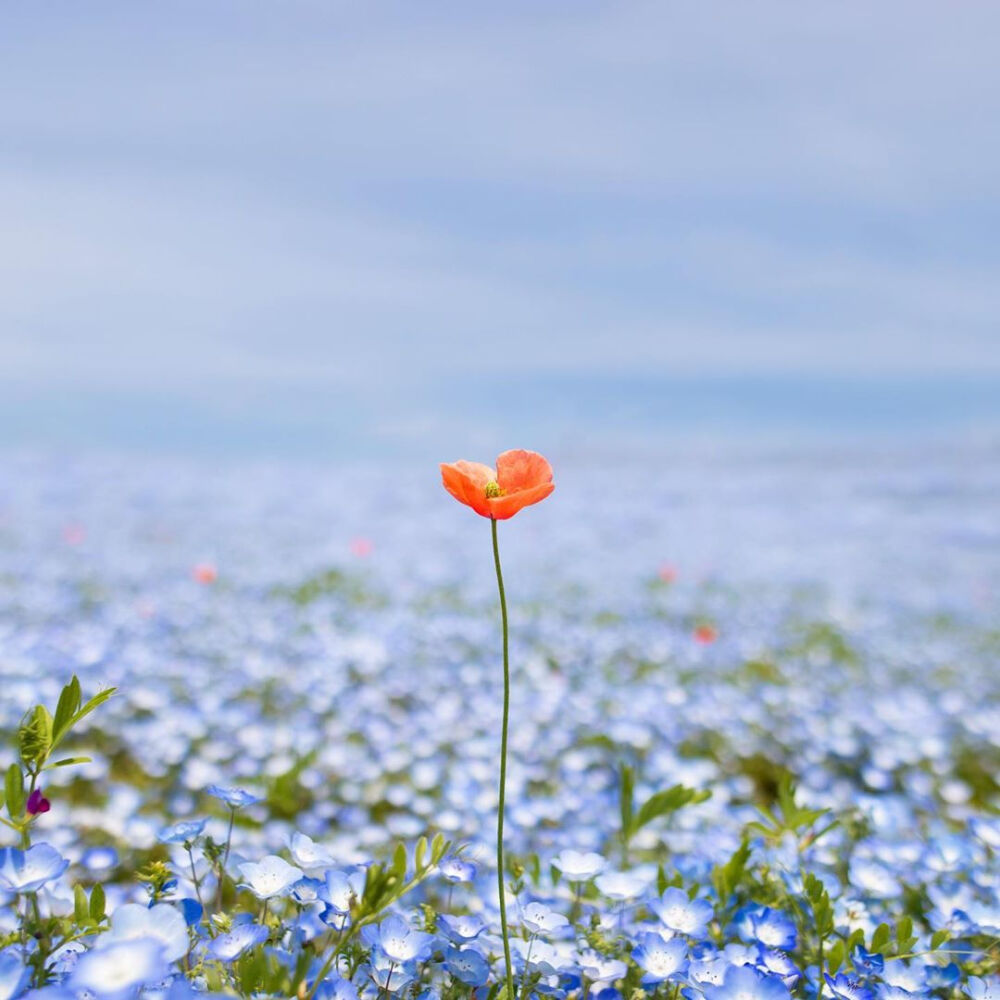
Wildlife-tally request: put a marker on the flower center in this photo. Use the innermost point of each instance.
(493, 489)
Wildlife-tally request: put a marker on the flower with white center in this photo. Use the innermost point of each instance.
(307, 854)
(115, 972)
(621, 886)
(28, 871)
(460, 929)
(397, 940)
(457, 870)
(271, 877)
(579, 866)
(186, 831)
(682, 914)
(541, 920)
(155, 923)
(229, 946)
(743, 982)
(660, 959)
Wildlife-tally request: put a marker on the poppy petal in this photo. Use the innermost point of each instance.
(466, 482)
(508, 505)
(522, 470)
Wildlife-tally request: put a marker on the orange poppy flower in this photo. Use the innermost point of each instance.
(521, 478)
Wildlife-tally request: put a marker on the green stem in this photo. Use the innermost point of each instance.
(503, 766)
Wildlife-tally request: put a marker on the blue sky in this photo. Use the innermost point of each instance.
(319, 219)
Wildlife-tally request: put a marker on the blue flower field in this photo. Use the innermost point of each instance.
(754, 730)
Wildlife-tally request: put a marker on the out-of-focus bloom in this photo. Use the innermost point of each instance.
(579, 866)
(229, 946)
(114, 972)
(273, 876)
(683, 915)
(28, 871)
(520, 479)
(235, 798)
(705, 634)
(162, 923)
(204, 573)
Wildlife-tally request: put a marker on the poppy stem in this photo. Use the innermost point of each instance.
(503, 767)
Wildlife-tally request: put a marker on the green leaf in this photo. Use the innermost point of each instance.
(938, 938)
(69, 703)
(97, 903)
(67, 761)
(667, 801)
(725, 878)
(904, 931)
(661, 880)
(14, 792)
(399, 861)
(418, 854)
(835, 956)
(627, 800)
(880, 938)
(80, 909)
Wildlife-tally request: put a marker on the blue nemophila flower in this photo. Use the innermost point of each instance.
(907, 977)
(540, 919)
(941, 977)
(622, 885)
(162, 923)
(773, 929)
(229, 946)
(457, 869)
(270, 877)
(460, 929)
(187, 831)
(388, 974)
(307, 890)
(600, 968)
(336, 988)
(983, 987)
(579, 866)
(235, 798)
(193, 911)
(710, 970)
(307, 854)
(658, 958)
(28, 871)
(99, 859)
(867, 962)
(467, 965)
(682, 914)
(116, 971)
(845, 988)
(743, 982)
(883, 991)
(537, 955)
(341, 889)
(13, 974)
(779, 964)
(397, 940)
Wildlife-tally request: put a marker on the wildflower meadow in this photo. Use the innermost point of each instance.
(725, 727)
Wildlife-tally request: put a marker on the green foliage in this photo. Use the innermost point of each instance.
(659, 804)
(786, 816)
(726, 878)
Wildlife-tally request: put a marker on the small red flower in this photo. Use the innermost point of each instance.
(667, 574)
(205, 573)
(705, 634)
(362, 547)
(521, 478)
(37, 803)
